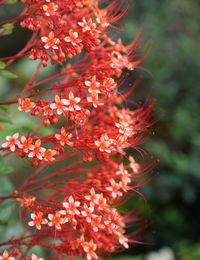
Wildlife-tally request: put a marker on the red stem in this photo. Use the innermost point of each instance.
(11, 196)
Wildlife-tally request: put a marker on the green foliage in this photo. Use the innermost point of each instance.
(11, 2)
(172, 29)
(7, 74)
(6, 29)
(6, 210)
(9, 221)
(2, 65)
(4, 115)
(3, 167)
(187, 251)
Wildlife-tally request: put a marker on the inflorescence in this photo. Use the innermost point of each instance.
(72, 209)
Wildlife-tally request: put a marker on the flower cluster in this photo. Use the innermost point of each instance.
(66, 28)
(73, 204)
(86, 221)
(120, 128)
(13, 256)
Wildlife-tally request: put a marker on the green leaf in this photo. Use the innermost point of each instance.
(6, 186)
(6, 209)
(7, 28)
(2, 65)
(11, 2)
(4, 108)
(8, 169)
(5, 120)
(3, 167)
(7, 74)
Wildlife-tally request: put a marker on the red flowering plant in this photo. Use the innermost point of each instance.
(69, 203)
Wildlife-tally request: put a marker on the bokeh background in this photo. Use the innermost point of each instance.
(170, 75)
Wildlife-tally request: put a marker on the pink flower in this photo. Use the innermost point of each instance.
(36, 150)
(96, 223)
(6, 256)
(25, 143)
(87, 212)
(94, 99)
(34, 257)
(64, 137)
(133, 165)
(90, 249)
(25, 104)
(93, 85)
(114, 189)
(12, 142)
(93, 197)
(87, 25)
(59, 105)
(55, 220)
(71, 206)
(72, 102)
(122, 240)
(50, 9)
(101, 202)
(104, 143)
(123, 174)
(48, 155)
(125, 129)
(50, 41)
(73, 38)
(37, 220)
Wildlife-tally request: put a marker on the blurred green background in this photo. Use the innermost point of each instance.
(171, 31)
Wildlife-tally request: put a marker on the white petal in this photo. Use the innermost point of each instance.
(62, 212)
(59, 112)
(12, 148)
(65, 101)
(16, 135)
(65, 204)
(31, 223)
(55, 47)
(87, 83)
(38, 227)
(75, 34)
(44, 39)
(77, 203)
(67, 39)
(77, 99)
(5, 145)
